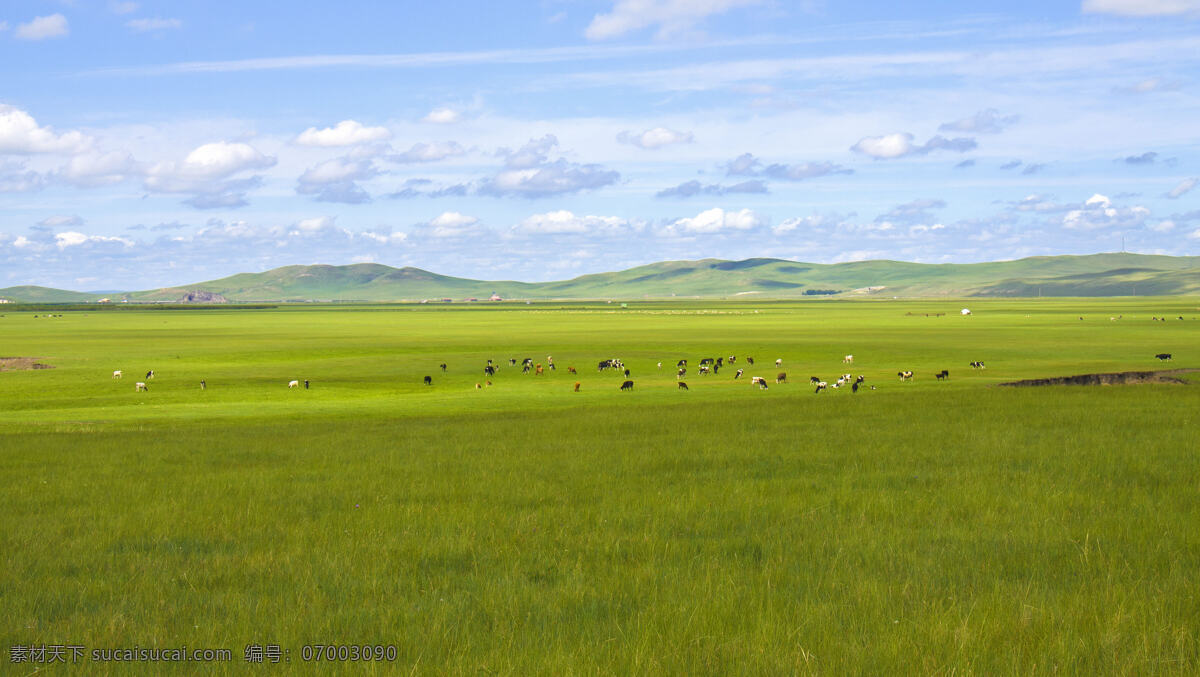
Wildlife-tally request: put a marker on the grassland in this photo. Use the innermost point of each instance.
(932, 527)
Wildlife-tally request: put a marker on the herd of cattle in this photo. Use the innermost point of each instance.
(705, 367)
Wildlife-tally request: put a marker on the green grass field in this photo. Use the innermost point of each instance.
(928, 527)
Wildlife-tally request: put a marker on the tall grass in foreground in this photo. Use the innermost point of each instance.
(969, 531)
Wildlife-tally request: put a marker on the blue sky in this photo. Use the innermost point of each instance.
(146, 144)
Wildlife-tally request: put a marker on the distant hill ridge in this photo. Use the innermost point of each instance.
(1117, 274)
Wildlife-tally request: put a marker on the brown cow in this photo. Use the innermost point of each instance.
(577, 386)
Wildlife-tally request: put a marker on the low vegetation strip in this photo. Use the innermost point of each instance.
(1115, 378)
(22, 364)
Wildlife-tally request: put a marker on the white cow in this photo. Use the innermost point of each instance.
(779, 362)
(848, 359)
(293, 384)
(117, 374)
(140, 387)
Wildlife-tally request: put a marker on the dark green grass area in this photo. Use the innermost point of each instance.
(930, 528)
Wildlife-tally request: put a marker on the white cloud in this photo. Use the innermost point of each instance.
(20, 133)
(72, 238)
(654, 138)
(1184, 187)
(892, 146)
(211, 161)
(885, 147)
(672, 17)
(15, 178)
(1098, 213)
(1142, 7)
(716, 220)
(442, 116)
(147, 25)
(315, 224)
(564, 222)
(60, 220)
(529, 173)
(451, 224)
(43, 27)
(748, 165)
(344, 133)
(429, 152)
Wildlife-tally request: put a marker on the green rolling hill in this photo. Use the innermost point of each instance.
(1093, 275)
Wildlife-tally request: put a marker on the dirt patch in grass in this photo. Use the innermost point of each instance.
(1115, 378)
(22, 364)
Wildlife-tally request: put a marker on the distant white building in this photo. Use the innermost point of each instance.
(495, 297)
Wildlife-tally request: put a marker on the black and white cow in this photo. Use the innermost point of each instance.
(905, 375)
(1163, 357)
(978, 365)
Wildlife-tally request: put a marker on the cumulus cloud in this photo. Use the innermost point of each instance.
(694, 188)
(450, 225)
(563, 222)
(654, 138)
(20, 133)
(988, 121)
(412, 188)
(528, 172)
(716, 220)
(1142, 8)
(429, 152)
(442, 116)
(1182, 188)
(1098, 213)
(344, 133)
(147, 25)
(893, 146)
(43, 27)
(336, 180)
(205, 172)
(61, 221)
(672, 17)
(814, 222)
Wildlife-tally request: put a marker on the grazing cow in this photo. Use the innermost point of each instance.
(860, 379)
(738, 374)
(703, 370)
(750, 361)
(117, 374)
(306, 384)
(660, 365)
(478, 387)
(443, 366)
(293, 384)
(779, 362)
(814, 380)
(525, 369)
(821, 385)
(626, 373)
(527, 362)
(538, 371)
(140, 387)
(758, 381)
(781, 377)
(720, 361)
(854, 388)
(943, 375)
(571, 370)
(717, 367)
(203, 385)
(1163, 357)
(428, 380)
(577, 384)
(512, 361)
(905, 375)
(681, 363)
(681, 386)
(977, 365)
(732, 359)
(628, 385)
(848, 359)
(682, 371)
(489, 370)
(707, 360)
(149, 374)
